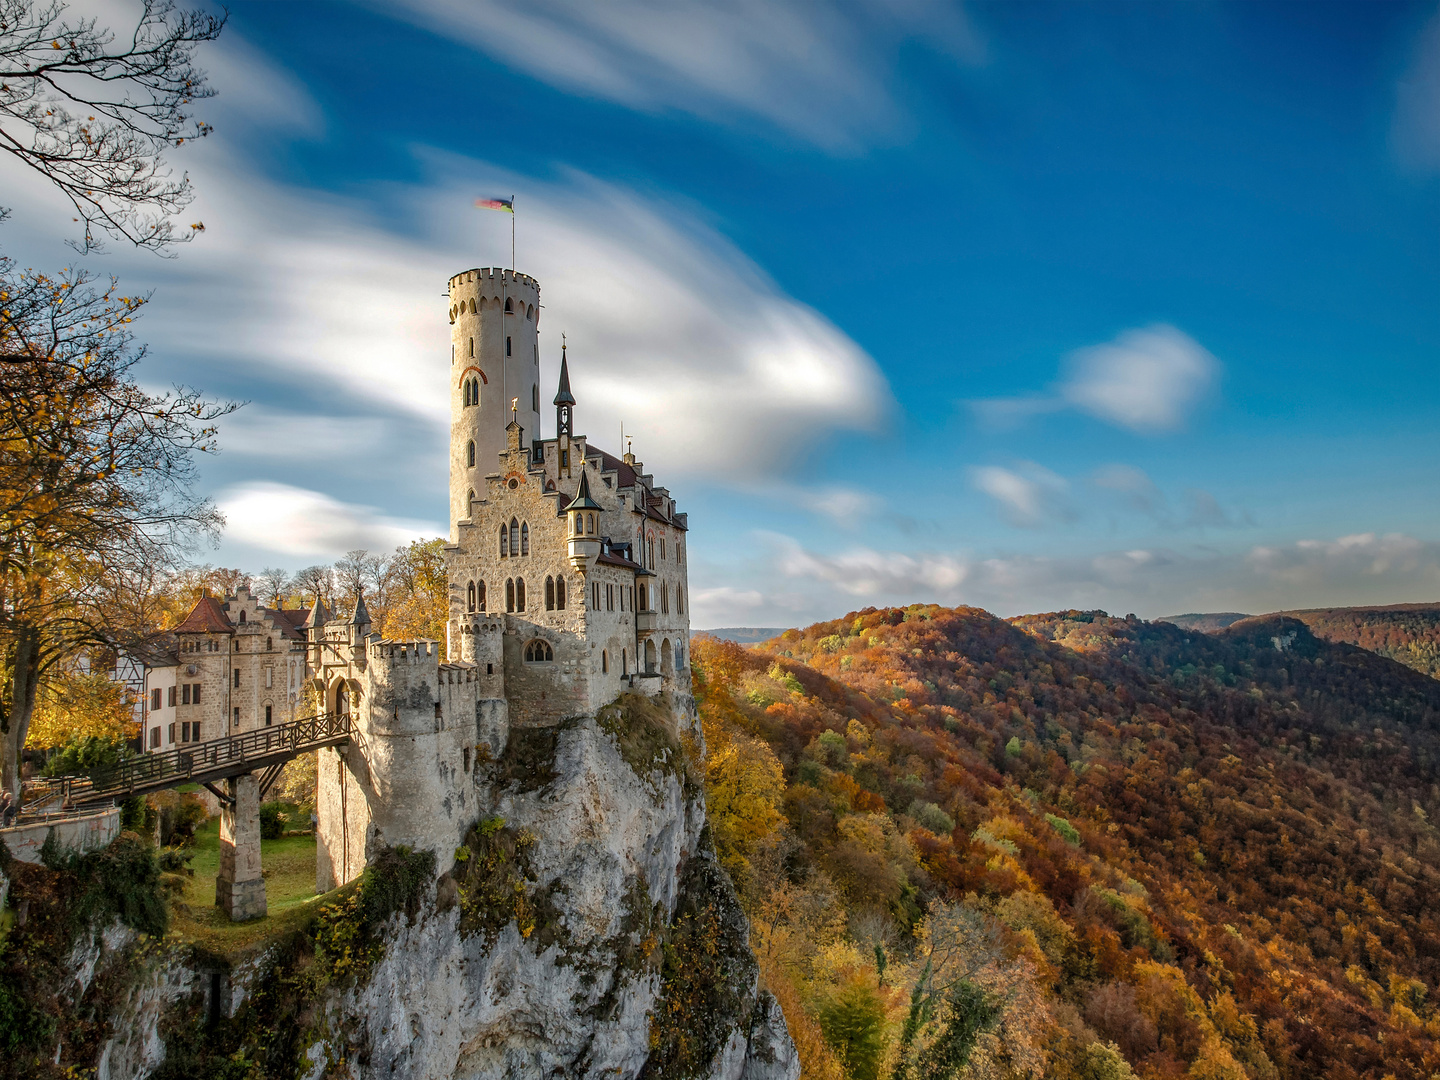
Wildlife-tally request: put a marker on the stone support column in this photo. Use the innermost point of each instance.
(239, 888)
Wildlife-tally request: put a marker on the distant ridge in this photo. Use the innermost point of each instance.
(746, 635)
(1210, 623)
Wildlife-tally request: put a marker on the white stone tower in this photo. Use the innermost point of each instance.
(495, 359)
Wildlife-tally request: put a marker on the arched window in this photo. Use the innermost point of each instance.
(665, 599)
(539, 652)
(644, 598)
(504, 542)
(480, 598)
(650, 553)
(559, 594)
(549, 593)
(509, 306)
(604, 661)
(470, 502)
(640, 546)
(509, 594)
(530, 311)
(519, 594)
(590, 524)
(514, 537)
(473, 309)
(470, 454)
(525, 539)
(242, 618)
(471, 596)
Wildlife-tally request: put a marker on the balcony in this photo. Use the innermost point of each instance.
(646, 621)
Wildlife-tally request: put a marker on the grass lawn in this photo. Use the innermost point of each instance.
(290, 898)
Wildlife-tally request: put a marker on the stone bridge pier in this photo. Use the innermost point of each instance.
(239, 887)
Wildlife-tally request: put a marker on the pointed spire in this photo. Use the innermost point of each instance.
(583, 501)
(318, 614)
(361, 616)
(563, 396)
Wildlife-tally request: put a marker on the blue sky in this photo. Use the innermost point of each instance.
(1025, 306)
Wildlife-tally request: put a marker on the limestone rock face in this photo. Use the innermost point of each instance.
(619, 846)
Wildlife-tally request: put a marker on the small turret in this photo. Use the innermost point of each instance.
(584, 542)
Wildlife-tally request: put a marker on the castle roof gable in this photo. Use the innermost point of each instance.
(206, 617)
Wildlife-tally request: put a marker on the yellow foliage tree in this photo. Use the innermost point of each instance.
(76, 705)
(744, 787)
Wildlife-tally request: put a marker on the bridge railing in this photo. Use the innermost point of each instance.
(160, 768)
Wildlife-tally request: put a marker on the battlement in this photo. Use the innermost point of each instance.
(493, 276)
(403, 652)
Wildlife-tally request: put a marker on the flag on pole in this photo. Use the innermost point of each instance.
(507, 205)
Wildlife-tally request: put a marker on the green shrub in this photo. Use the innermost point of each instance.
(1068, 832)
(272, 821)
(853, 1022)
(930, 816)
(495, 879)
(395, 881)
(87, 755)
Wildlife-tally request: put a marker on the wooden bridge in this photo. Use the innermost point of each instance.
(264, 751)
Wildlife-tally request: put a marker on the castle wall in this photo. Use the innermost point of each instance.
(405, 778)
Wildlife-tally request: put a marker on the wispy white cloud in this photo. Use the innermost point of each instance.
(1133, 487)
(1029, 495)
(816, 71)
(673, 330)
(1147, 380)
(1415, 131)
(301, 525)
(1362, 569)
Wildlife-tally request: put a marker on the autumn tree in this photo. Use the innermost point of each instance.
(417, 588)
(96, 476)
(94, 111)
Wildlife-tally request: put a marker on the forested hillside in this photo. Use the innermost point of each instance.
(1409, 633)
(1093, 844)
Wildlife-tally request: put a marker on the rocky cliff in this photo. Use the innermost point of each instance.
(586, 930)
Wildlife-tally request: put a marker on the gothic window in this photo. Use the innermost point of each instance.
(644, 599)
(480, 596)
(679, 601)
(525, 539)
(470, 502)
(471, 596)
(665, 599)
(662, 547)
(514, 537)
(590, 524)
(473, 309)
(509, 306)
(530, 311)
(509, 594)
(650, 552)
(504, 541)
(242, 618)
(538, 652)
(519, 594)
(560, 594)
(549, 593)
(470, 454)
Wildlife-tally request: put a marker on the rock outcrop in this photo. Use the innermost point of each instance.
(586, 930)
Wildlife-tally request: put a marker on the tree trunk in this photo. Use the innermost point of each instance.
(22, 706)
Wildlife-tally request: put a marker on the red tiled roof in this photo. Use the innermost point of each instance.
(611, 559)
(206, 617)
(289, 621)
(610, 463)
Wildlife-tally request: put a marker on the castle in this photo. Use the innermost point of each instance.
(567, 582)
